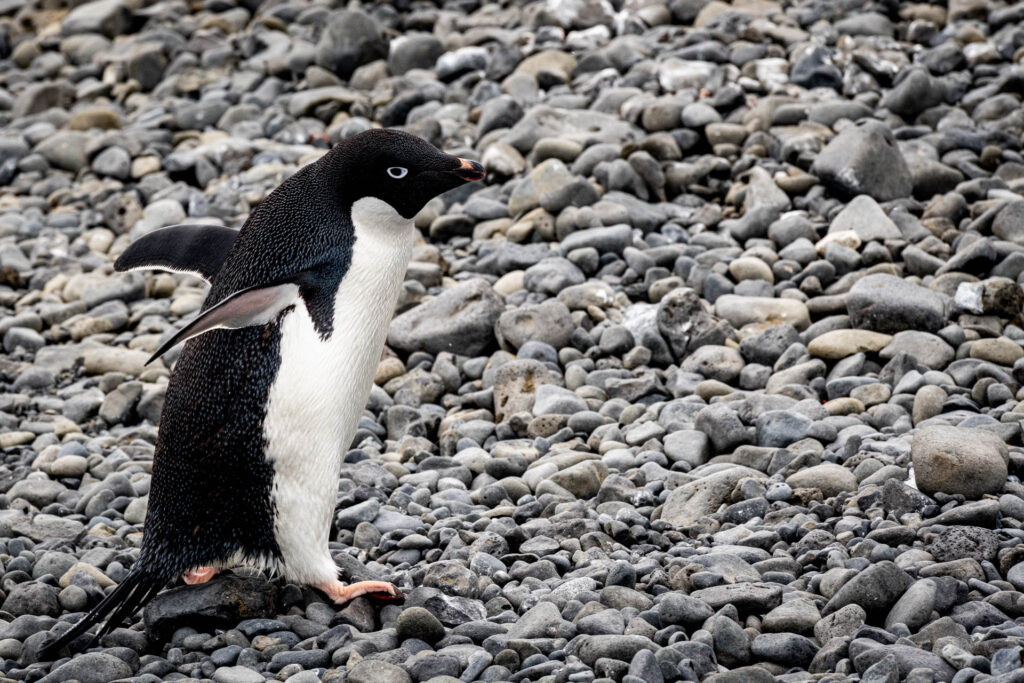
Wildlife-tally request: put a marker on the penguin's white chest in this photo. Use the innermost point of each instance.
(322, 386)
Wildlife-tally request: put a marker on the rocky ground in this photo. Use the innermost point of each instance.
(718, 376)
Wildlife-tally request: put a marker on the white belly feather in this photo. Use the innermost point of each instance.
(318, 397)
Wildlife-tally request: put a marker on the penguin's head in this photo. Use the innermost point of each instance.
(400, 169)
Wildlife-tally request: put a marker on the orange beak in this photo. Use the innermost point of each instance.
(469, 170)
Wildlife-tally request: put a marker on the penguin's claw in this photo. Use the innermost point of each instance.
(199, 575)
(340, 594)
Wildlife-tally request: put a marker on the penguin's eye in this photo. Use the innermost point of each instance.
(397, 172)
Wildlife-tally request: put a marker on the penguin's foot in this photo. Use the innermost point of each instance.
(340, 593)
(199, 575)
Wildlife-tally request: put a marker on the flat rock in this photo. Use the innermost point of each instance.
(929, 349)
(377, 671)
(622, 648)
(748, 598)
(831, 479)
(742, 310)
(838, 344)
(581, 125)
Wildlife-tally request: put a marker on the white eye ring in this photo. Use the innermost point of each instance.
(398, 172)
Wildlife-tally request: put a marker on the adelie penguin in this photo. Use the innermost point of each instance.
(277, 367)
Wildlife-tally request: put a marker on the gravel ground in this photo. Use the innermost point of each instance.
(718, 376)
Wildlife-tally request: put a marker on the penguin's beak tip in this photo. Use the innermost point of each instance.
(469, 170)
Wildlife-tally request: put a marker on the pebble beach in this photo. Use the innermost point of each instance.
(717, 376)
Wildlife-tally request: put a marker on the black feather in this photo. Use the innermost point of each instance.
(135, 591)
(197, 249)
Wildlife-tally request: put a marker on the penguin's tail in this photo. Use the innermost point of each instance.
(137, 588)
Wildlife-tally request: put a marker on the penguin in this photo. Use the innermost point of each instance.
(276, 369)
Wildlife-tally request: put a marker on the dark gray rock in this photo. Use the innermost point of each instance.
(416, 622)
(32, 598)
(787, 648)
(413, 51)
(222, 602)
(876, 589)
(352, 38)
(885, 303)
(917, 91)
(864, 159)
(679, 608)
(957, 542)
(907, 657)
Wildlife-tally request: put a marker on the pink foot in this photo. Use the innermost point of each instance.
(199, 575)
(340, 593)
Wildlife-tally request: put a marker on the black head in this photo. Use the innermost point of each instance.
(398, 168)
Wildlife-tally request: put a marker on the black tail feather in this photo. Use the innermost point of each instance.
(135, 591)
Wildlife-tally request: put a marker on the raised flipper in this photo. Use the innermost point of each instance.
(254, 306)
(198, 250)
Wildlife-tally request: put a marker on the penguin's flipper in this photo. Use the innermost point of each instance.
(254, 306)
(198, 250)
(132, 593)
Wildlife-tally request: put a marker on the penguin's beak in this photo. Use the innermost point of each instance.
(469, 170)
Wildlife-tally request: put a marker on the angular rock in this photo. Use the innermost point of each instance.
(876, 589)
(864, 159)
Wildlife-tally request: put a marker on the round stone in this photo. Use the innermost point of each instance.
(969, 462)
